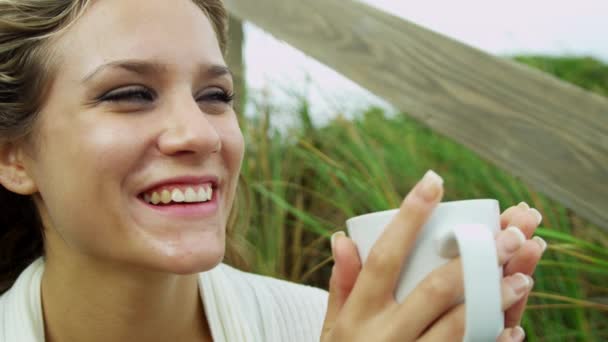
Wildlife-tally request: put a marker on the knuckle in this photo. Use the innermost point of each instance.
(382, 260)
(412, 205)
(520, 211)
(414, 212)
(530, 251)
(510, 211)
(347, 328)
(524, 218)
(439, 288)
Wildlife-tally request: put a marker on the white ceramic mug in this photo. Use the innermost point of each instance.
(465, 228)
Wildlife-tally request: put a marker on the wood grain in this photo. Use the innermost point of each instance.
(552, 135)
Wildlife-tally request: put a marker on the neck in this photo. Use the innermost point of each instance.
(88, 300)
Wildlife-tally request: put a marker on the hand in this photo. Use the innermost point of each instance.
(361, 302)
(526, 259)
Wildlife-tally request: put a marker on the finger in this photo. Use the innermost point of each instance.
(333, 303)
(514, 314)
(343, 276)
(445, 286)
(452, 324)
(514, 288)
(438, 292)
(507, 215)
(525, 261)
(382, 267)
(527, 257)
(350, 264)
(515, 334)
(508, 242)
(526, 219)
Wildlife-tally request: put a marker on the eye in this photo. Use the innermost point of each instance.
(216, 95)
(133, 94)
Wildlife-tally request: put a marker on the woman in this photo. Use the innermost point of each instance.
(119, 159)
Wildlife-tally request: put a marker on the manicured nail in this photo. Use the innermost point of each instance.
(539, 217)
(513, 238)
(334, 236)
(523, 205)
(542, 243)
(430, 186)
(520, 283)
(518, 334)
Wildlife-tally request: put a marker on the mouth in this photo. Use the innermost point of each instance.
(182, 199)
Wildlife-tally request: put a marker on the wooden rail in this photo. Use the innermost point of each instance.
(552, 135)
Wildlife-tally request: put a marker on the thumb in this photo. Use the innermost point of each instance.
(347, 266)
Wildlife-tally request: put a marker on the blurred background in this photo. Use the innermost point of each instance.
(320, 149)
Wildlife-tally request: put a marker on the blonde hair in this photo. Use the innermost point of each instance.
(26, 31)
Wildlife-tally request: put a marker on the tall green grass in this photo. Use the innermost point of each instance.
(305, 181)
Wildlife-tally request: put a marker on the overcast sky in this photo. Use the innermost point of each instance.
(555, 27)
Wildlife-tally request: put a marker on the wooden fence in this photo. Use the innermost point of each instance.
(552, 135)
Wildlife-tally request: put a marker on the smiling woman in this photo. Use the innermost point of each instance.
(120, 154)
(133, 121)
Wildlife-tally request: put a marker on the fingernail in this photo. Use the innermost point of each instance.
(539, 217)
(335, 235)
(518, 334)
(520, 283)
(430, 186)
(523, 205)
(512, 239)
(542, 243)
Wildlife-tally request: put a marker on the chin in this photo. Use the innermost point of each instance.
(203, 259)
(193, 265)
(188, 252)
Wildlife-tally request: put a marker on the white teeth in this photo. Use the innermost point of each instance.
(177, 196)
(209, 193)
(190, 195)
(202, 194)
(165, 196)
(155, 199)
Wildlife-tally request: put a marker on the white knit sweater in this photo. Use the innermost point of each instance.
(240, 306)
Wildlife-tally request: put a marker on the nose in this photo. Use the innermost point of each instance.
(188, 130)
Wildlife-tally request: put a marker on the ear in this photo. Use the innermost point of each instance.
(13, 173)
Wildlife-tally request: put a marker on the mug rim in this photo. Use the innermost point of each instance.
(442, 204)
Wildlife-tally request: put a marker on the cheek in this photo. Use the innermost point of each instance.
(93, 147)
(113, 149)
(233, 146)
(83, 167)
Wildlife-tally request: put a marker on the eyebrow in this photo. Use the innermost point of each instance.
(146, 68)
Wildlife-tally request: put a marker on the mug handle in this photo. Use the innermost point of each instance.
(476, 246)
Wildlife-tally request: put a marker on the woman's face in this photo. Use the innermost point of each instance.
(138, 114)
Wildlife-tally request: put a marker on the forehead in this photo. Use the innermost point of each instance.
(174, 32)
